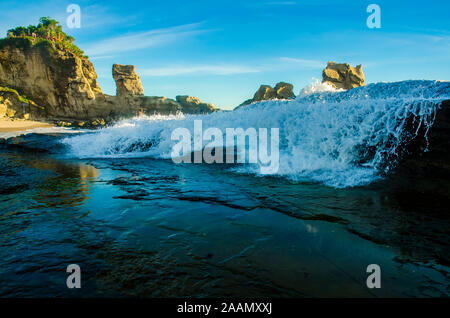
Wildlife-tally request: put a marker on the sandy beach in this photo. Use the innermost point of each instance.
(7, 125)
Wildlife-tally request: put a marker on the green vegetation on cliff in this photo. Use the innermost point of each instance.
(23, 98)
(48, 33)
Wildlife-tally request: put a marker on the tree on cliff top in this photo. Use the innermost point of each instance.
(47, 30)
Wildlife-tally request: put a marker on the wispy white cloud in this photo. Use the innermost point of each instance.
(14, 13)
(95, 16)
(142, 40)
(304, 62)
(268, 65)
(200, 69)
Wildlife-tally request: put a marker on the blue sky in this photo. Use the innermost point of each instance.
(221, 50)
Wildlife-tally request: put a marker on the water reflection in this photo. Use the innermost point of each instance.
(60, 184)
(67, 185)
(142, 227)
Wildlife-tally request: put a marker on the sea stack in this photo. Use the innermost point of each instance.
(127, 81)
(343, 75)
(282, 90)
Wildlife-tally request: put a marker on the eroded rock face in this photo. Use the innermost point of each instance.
(193, 105)
(65, 84)
(64, 88)
(127, 81)
(265, 92)
(10, 105)
(159, 105)
(343, 75)
(282, 90)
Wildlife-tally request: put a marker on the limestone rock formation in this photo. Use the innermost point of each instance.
(193, 105)
(343, 75)
(64, 88)
(159, 105)
(14, 105)
(127, 81)
(9, 105)
(264, 92)
(62, 82)
(282, 90)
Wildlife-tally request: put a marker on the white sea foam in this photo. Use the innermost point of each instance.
(338, 138)
(317, 87)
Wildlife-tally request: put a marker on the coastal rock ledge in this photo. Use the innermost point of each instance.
(194, 105)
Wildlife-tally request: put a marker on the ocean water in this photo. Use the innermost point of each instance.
(113, 202)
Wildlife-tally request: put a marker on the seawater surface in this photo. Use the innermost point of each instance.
(139, 225)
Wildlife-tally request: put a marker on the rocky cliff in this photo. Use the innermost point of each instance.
(343, 75)
(63, 84)
(63, 87)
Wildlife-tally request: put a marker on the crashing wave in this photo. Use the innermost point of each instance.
(339, 138)
(318, 87)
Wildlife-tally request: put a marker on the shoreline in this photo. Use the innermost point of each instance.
(17, 125)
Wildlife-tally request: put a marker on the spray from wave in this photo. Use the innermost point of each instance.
(339, 138)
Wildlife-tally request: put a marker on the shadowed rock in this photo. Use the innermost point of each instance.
(193, 105)
(159, 105)
(265, 92)
(429, 154)
(282, 90)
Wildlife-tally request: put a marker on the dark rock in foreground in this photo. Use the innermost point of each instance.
(429, 155)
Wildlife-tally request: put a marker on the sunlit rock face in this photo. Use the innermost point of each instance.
(127, 81)
(43, 82)
(343, 75)
(60, 82)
